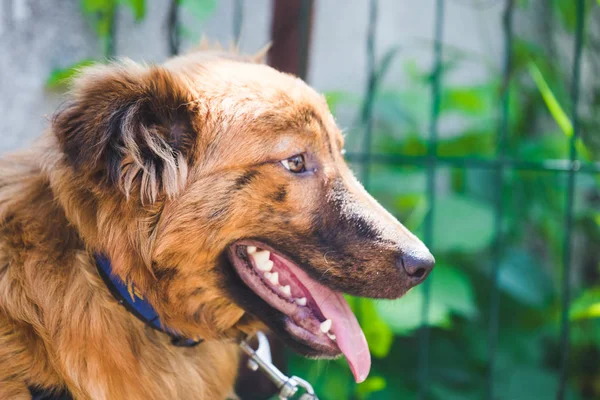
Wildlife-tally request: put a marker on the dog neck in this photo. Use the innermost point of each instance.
(127, 295)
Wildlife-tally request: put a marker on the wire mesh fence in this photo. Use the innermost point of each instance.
(569, 167)
(432, 161)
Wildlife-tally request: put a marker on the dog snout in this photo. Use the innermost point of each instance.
(373, 245)
(417, 264)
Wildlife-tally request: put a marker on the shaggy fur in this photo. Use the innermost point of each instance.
(161, 168)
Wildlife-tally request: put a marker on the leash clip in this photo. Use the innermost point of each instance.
(261, 359)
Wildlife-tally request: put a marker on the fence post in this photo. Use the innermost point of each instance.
(290, 34)
(173, 28)
(431, 161)
(367, 107)
(507, 20)
(571, 174)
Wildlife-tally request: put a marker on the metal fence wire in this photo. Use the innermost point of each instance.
(499, 164)
(432, 162)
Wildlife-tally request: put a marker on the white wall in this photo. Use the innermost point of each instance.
(39, 35)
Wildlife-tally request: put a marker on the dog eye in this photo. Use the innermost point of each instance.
(295, 164)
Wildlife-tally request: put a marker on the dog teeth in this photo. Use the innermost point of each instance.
(326, 326)
(331, 336)
(273, 277)
(251, 249)
(266, 266)
(260, 256)
(287, 290)
(301, 301)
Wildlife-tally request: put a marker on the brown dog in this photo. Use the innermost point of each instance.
(218, 187)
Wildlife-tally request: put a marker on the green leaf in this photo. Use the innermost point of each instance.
(451, 294)
(331, 379)
(101, 13)
(462, 224)
(557, 112)
(337, 98)
(61, 77)
(475, 100)
(469, 143)
(452, 289)
(200, 9)
(404, 315)
(592, 311)
(554, 107)
(92, 6)
(418, 212)
(521, 276)
(527, 383)
(395, 389)
(586, 306)
(443, 392)
(370, 385)
(378, 334)
(541, 148)
(567, 13)
(465, 99)
(409, 181)
(138, 7)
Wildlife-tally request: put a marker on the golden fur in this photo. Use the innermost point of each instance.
(59, 325)
(161, 168)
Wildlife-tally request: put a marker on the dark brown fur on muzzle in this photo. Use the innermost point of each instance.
(354, 246)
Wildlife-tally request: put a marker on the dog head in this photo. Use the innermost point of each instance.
(220, 187)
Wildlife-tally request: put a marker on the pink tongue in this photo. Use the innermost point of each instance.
(349, 336)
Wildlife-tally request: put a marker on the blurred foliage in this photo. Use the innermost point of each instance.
(529, 278)
(530, 268)
(61, 77)
(101, 15)
(200, 9)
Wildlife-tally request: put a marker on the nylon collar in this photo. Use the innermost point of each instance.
(128, 296)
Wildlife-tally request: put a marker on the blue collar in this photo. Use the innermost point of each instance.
(128, 296)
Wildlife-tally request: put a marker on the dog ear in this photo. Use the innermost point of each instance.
(130, 126)
(260, 57)
(209, 50)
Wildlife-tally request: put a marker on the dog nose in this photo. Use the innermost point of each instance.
(418, 265)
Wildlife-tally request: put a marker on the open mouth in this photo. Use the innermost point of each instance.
(314, 315)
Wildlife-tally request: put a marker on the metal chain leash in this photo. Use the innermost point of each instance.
(260, 359)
